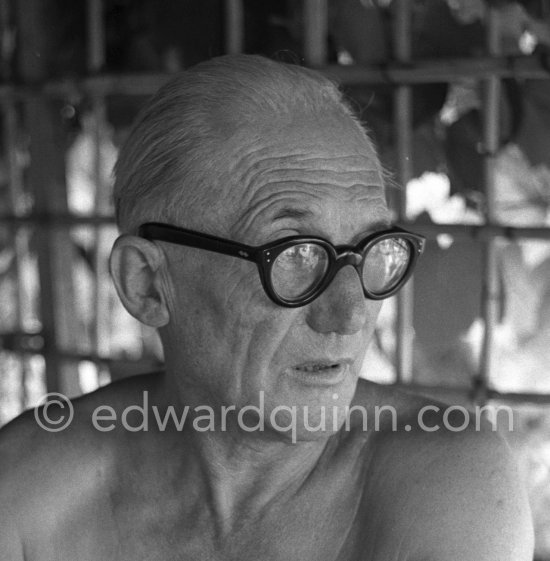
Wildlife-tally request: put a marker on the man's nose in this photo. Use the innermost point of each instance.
(342, 307)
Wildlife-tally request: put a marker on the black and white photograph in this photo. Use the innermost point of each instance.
(274, 280)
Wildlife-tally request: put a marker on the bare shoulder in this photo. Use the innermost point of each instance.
(478, 507)
(445, 476)
(53, 441)
(49, 473)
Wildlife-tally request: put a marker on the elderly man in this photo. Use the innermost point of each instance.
(256, 238)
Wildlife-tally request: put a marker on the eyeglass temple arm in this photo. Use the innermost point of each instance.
(180, 236)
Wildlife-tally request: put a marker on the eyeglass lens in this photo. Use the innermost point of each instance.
(299, 269)
(385, 264)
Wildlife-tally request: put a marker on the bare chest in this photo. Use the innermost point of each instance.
(333, 529)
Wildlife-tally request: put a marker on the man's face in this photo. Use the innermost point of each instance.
(227, 337)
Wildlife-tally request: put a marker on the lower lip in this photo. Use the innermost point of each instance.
(329, 376)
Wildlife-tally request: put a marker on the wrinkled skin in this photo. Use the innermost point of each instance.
(344, 493)
(328, 186)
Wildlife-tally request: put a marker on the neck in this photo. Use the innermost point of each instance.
(240, 472)
(245, 473)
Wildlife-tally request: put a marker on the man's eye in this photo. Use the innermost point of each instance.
(301, 256)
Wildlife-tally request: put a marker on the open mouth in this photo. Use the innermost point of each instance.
(318, 367)
(321, 372)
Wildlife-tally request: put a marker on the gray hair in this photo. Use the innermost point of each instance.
(175, 147)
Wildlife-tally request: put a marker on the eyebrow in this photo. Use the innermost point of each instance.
(298, 213)
(289, 212)
(383, 224)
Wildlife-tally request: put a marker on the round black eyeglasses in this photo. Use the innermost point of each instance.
(297, 269)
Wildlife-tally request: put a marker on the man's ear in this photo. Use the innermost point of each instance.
(137, 269)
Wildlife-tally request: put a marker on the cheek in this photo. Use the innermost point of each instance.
(229, 314)
(374, 307)
(234, 287)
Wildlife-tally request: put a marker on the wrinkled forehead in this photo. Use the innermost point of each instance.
(330, 157)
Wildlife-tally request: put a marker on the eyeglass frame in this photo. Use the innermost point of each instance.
(338, 256)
